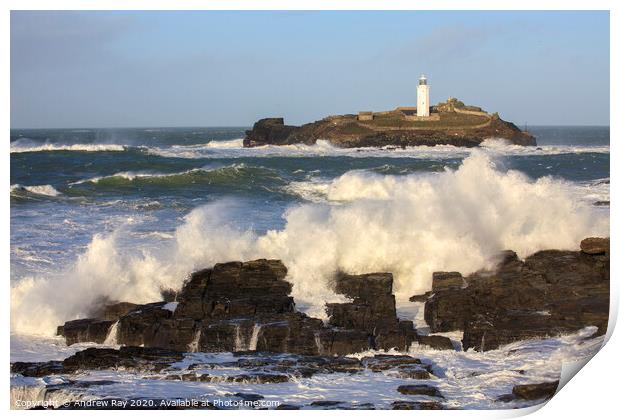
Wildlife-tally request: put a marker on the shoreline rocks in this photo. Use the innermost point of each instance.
(548, 293)
(531, 392)
(246, 306)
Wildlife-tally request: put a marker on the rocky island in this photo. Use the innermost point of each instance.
(448, 123)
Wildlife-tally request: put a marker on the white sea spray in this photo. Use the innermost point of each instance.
(409, 225)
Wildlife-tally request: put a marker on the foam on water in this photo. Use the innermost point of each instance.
(45, 190)
(234, 148)
(365, 184)
(28, 146)
(208, 173)
(412, 225)
(468, 380)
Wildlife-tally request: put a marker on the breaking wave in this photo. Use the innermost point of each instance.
(366, 184)
(25, 190)
(409, 225)
(234, 148)
(503, 146)
(215, 174)
(28, 146)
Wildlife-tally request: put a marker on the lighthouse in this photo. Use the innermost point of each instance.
(423, 109)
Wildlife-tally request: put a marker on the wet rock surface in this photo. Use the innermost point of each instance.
(547, 294)
(417, 405)
(245, 309)
(531, 392)
(126, 358)
(427, 390)
(246, 306)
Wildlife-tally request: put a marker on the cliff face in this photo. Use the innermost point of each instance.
(458, 127)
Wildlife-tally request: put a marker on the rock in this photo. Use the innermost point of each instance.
(37, 369)
(339, 342)
(364, 287)
(544, 390)
(595, 246)
(325, 403)
(380, 362)
(287, 407)
(427, 390)
(443, 280)
(416, 405)
(85, 331)
(361, 316)
(369, 321)
(530, 392)
(254, 378)
(246, 306)
(236, 289)
(448, 310)
(113, 311)
(191, 296)
(268, 131)
(437, 342)
(140, 326)
(452, 128)
(413, 372)
(176, 334)
(127, 358)
(420, 298)
(601, 203)
(549, 293)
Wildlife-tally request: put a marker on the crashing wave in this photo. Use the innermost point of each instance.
(45, 190)
(20, 146)
(208, 174)
(410, 225)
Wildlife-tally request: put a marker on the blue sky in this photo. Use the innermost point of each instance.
(139, 69)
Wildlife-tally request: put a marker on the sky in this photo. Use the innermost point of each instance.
(210, 68)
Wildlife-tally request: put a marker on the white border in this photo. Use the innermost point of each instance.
(591, 395)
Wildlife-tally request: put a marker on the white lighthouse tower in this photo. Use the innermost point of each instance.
(423, 109)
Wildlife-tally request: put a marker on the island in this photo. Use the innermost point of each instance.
(447, 123)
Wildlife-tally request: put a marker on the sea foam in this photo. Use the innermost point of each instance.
(410, 225)
(234, 148)
(48, 190)
(29, 147)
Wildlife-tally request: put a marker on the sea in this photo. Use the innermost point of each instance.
(127, 213)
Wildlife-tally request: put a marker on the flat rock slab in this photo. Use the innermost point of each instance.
(427, 390)
(535, 391)
(595, 246)
(417, 405)
(437, 342)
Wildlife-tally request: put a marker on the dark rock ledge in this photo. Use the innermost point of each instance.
(531, 392)
(547, 294)
(246, 306)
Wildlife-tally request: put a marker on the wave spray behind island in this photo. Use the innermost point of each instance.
(409, 225)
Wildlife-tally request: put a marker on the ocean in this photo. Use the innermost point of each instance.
(127, 213)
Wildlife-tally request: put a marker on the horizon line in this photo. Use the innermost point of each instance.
(249, 126)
